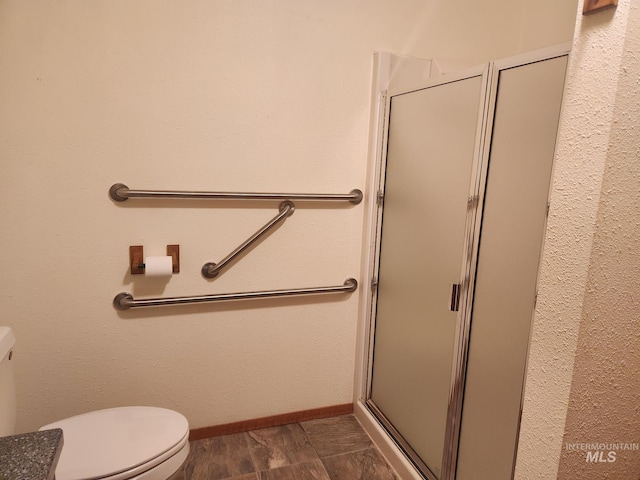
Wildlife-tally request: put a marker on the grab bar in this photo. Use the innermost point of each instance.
(120, 192)
(211, 270)
(124, 301)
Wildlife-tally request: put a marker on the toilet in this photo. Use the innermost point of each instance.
(123, 443)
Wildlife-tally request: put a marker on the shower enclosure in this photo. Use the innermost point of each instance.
(461, 213)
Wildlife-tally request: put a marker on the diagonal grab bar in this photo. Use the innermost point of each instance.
(211, 270)
(120, 192)
(125, 301)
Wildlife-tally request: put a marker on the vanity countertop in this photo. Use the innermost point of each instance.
(30, 456)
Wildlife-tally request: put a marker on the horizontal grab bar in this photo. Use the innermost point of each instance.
(124, 301)
(120, 193)
(211, 270)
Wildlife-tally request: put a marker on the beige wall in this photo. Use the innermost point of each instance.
(222, 95)
(471, 33)
(225, 95)
(585, 333)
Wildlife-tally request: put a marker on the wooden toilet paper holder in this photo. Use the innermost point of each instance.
(136, 258)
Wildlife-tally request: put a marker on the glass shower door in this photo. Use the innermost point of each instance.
(428, 183)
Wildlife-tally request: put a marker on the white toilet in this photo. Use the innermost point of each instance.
(124, 443)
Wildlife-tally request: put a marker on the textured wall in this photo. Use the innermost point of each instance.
(604, 405)
(584, 138)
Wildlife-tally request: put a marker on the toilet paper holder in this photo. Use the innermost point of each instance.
(136, 258)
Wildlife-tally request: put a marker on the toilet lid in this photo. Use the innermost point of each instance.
(106, 442)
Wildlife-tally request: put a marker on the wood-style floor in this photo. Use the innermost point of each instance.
(327, 449)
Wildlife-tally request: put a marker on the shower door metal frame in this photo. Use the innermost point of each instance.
(468, 267)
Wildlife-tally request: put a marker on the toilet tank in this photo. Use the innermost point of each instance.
(7, 385)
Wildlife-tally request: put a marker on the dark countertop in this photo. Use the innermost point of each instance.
(30, 456)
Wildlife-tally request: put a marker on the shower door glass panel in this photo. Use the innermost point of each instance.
(430, 156)
(523, 142)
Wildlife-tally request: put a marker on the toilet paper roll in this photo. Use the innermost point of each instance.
(158, 266)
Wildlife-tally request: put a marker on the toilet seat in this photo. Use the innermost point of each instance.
(122, 443)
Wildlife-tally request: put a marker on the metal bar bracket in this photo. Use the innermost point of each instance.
(125, 301)
(211, 270)
(120, 193)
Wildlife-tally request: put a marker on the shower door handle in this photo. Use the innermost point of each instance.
(454, 302)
